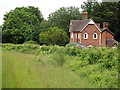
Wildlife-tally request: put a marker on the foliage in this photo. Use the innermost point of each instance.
(98, 65)
(89, 7)
(54, 36)
(61, 17)
(29, 72)
(30, 42)
(45, 25)
(22, 24)
(59, 58)
(0, 34)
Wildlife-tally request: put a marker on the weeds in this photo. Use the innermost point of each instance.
(99, 65)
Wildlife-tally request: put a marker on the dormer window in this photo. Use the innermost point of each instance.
(95, 36)
(85, 36)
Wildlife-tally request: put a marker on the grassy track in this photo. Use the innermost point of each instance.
(24, 71)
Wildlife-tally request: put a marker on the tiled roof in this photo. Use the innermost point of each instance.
(111, 42)
(78, 25)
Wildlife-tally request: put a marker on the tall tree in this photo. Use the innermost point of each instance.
(108, 12)
(61, 18)
(22, 24)
(44, 26)
(89, 6)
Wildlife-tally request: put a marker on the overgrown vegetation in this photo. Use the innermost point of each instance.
(54, 36)
(99, 66)
(30, 42)
(30, 71)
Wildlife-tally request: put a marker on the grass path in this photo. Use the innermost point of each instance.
(23, 71)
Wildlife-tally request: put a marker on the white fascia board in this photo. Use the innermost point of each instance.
(91, 22)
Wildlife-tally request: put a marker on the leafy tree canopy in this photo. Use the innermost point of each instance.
(22, 24)
(89, 6)
(54, 36)
(61, 18)
(45, 25)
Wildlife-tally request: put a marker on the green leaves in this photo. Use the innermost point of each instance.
(61, 17)
(54, 36)
(22, 24)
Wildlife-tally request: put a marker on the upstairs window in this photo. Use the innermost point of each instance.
(85, 36)
(95, 36)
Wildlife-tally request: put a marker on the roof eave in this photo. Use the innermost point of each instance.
(108, 31)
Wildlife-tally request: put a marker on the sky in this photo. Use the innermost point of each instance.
(45, 6)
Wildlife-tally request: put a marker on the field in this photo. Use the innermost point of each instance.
(29, 66)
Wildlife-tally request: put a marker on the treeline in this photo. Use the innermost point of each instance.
(27, 23)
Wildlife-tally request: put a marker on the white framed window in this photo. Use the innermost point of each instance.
(71, 35)
(95, 36)
(85, 35)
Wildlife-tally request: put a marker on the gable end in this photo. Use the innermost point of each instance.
(91, 22)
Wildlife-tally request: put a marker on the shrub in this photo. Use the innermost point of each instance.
(54, 36)
(98, 65)
(30, 42)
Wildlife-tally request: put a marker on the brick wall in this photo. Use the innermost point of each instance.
(106, 35)
(91, 29)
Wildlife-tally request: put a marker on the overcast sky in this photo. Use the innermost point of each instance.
(45, 6)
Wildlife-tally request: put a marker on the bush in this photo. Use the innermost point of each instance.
(30, 42)
(54, 36)
(98, 65)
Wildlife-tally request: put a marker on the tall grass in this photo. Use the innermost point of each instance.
(25, 71)
(98, 66)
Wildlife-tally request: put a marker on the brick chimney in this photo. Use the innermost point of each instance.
(85, 15)
(105, 24)
(98, 24)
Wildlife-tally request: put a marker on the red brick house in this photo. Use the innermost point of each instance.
(89, 33)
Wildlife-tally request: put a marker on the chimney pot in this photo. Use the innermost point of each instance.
(85, 15)
(105, 24)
